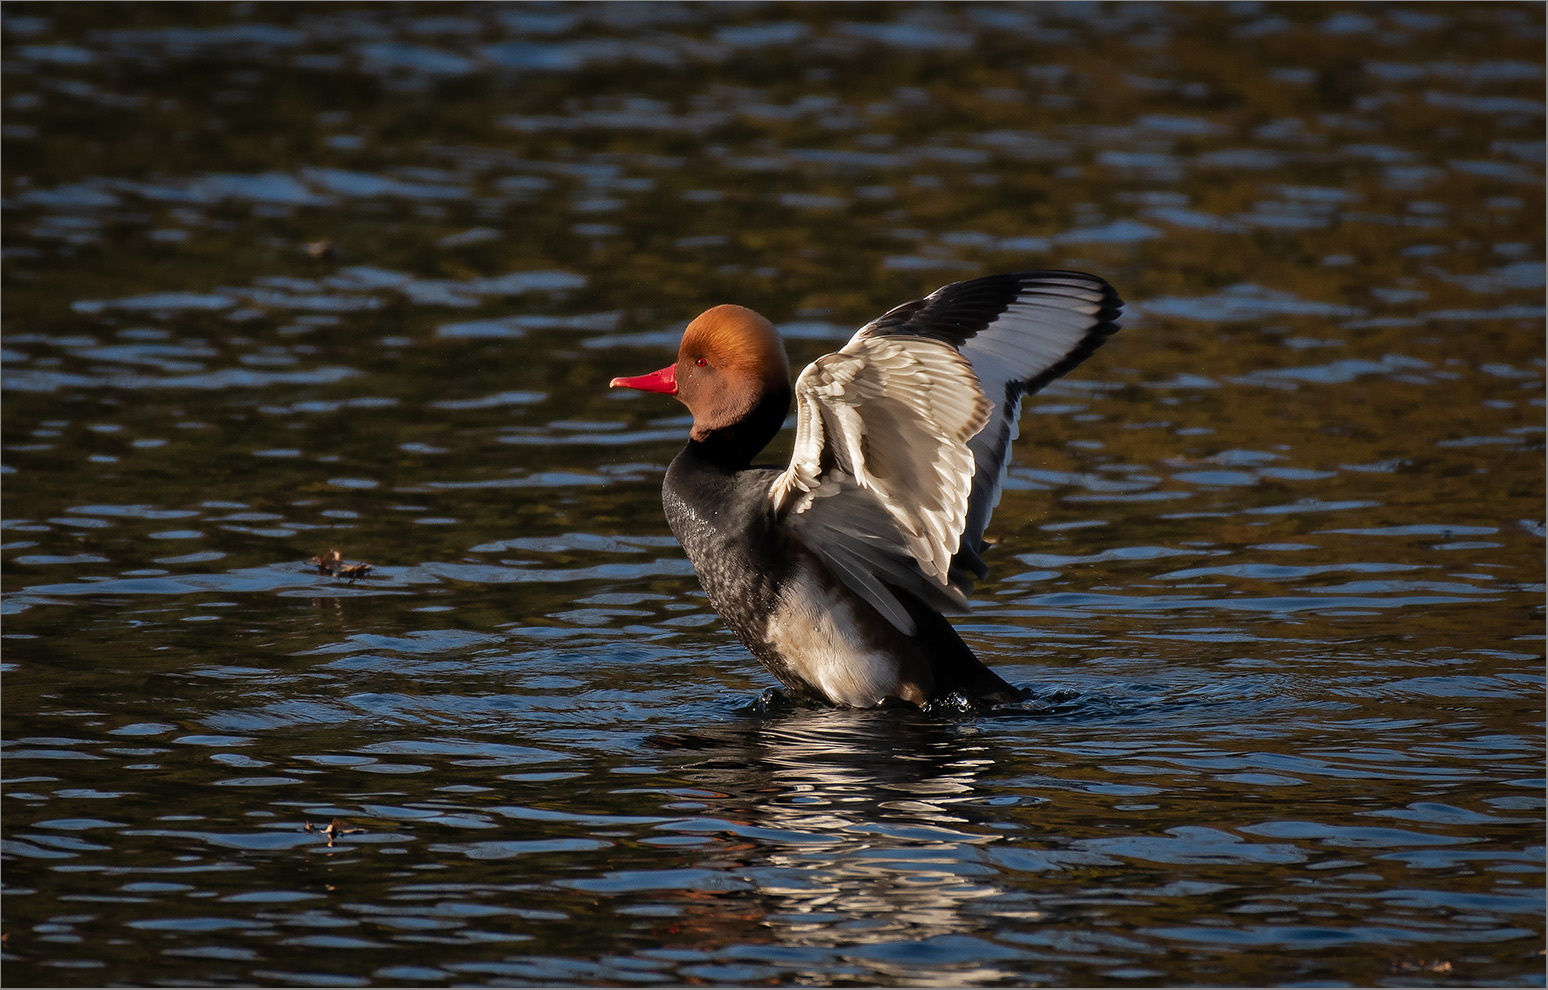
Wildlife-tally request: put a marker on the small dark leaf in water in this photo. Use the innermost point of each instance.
(332, 563)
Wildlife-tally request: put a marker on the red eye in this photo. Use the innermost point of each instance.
(700, 362)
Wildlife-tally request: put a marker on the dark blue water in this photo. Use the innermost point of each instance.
(285, 280)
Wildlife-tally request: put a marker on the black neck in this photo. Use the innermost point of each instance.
(734, 446)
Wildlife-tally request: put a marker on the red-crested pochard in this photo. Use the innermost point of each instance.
(835, 570)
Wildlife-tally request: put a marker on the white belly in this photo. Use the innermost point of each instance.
(816, 630)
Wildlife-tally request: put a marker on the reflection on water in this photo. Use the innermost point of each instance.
(863, 833)
(281, 281)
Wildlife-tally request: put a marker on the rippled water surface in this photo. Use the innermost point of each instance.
(280, 280)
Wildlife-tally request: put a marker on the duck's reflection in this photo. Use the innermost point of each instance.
(859, 828)
(859, 766)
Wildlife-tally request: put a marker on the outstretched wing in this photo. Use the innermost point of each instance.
(879, 479)
(903, 435)
(1019, 331)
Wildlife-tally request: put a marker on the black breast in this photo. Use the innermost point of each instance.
(724, 520)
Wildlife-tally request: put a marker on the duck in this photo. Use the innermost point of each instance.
(838, 570)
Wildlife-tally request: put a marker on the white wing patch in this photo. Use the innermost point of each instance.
(884, 423)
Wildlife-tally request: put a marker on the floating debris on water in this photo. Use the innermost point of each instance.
(332, 564)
